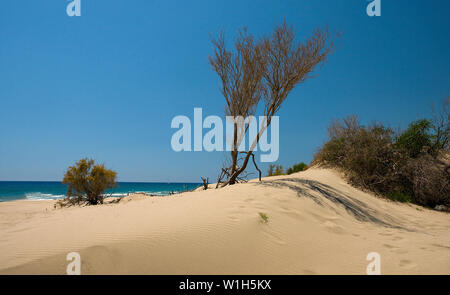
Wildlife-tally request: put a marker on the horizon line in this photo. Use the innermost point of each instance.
(117, 181)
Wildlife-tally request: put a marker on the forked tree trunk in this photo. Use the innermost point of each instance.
(235, 175)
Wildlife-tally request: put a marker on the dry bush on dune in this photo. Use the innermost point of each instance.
(429, 179)
(410, 166)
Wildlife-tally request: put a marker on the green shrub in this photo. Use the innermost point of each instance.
(297, 168)
(86, 182)
(264, 217)
(399, 197)
(416, 137)
(275, 170)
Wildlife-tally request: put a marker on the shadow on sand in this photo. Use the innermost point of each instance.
(316, 191)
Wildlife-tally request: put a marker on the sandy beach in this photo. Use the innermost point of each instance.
(317, 224)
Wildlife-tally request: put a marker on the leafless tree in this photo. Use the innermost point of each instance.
(441, 126)
(241, 73)
(266, 69)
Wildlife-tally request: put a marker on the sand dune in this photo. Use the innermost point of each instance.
(318, 224)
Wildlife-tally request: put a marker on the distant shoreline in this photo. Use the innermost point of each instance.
(54, 190)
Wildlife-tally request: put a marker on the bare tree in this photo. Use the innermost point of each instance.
(441, 127)
(267, 69)
(241, 73)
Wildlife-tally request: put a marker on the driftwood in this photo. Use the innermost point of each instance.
(205, 183)
(225, 172)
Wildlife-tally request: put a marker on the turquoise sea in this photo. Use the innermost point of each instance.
(51, 190)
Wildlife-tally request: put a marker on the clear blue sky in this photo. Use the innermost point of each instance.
(107, 84)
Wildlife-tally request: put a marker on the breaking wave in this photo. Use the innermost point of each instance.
(37, 196)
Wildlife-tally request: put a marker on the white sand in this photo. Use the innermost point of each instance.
(310, 231)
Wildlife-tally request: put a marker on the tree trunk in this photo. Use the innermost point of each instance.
(234, 154)
(234, 176)
(236, 173)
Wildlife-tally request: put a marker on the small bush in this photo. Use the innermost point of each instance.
(415, 138)
(297, 168)
(86, 182)
(399, 197)
(275, 170)
(264, 217)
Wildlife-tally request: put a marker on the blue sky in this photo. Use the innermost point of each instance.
(107, 84)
